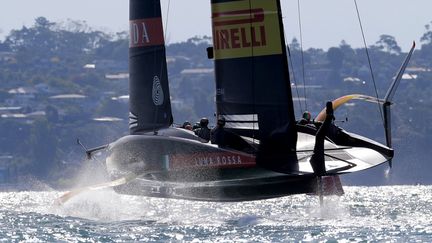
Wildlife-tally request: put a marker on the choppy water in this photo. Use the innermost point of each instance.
(390, 214)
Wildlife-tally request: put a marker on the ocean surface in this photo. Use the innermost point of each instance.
(363, 214)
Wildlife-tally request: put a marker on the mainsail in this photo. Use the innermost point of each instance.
(253, 90)
(150, 107)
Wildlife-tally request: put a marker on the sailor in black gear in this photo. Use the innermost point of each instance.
(227, 139)
(185, 124)
(203, 132)
(196, 126)
(306, 118)
(218, 132)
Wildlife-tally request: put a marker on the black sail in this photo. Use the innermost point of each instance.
(252, 78)
(150, 107)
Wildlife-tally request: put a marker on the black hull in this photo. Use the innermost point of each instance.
(223, 191)
(174, 165)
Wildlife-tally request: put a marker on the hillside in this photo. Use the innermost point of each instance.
(68, 81)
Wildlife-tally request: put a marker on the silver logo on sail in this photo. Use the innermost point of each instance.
(157, 92)
(133, 120)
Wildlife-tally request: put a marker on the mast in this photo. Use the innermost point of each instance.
(286, 66)
(253, 90)
(149, 105)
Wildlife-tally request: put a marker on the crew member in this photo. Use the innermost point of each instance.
(306, 118)
(227, 139)
(203, 132)
(218, 132)
(187, 125)
(196, 126)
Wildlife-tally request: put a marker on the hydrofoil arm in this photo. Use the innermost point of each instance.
(89, 152)
(68, 195)
(386, 102)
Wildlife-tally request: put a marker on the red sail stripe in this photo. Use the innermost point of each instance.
(257, 16)
(146, 32)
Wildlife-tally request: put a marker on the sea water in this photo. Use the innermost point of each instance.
(388, 213)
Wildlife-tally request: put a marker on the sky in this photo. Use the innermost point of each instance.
(325, 23)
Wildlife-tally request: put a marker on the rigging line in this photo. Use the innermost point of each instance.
(302, 53)
(162, 64)
(165, 33)
(155, 10)
(291, 66)
(369, 60)
(167, 17)
(253, 71)
(294, 78)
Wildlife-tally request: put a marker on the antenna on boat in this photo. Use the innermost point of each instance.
(389, 98)
(384, 104)
(385, 109)
(302, 53)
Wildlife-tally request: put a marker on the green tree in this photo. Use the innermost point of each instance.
(43, 145)
(427, 36)
(295, 45)
(389, 44)
(335, 57)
